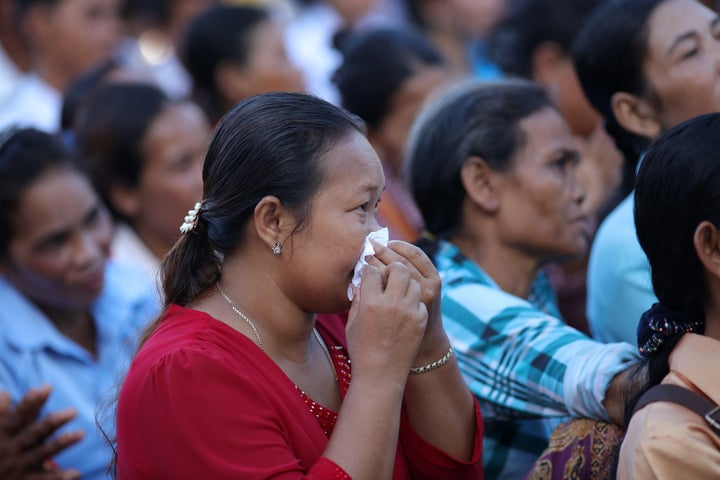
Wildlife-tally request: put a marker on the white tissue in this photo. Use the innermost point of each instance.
(380, 236)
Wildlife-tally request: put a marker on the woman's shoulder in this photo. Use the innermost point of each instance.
(668, 438)
(185, 332)
(191, 349)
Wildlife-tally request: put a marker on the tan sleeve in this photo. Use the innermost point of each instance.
(667, 441)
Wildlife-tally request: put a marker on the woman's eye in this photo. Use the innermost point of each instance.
(566, 160)
(93, 217)
(53, 243)
(690, 53)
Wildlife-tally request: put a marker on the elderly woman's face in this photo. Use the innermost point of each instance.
(540, 198)
(682, 65)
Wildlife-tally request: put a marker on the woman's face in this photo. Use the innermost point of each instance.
(391, 135)
(540, 198)
(171, 179)
(682, 65)
(57, 255)
(80, 34)
(322, 255)
(268, 68)
(477, 18)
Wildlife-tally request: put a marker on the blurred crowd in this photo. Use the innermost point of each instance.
(510, 135)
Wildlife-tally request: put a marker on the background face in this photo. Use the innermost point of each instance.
(391, 135)
(171, 179)
(682, 65)
(62, 236)
(321, 256)
(79, 34)
(540, 198)
(477, 17)
(268, 67)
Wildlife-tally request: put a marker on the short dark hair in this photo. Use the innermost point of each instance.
(477, 118)
(609, 54)
(529, 23)
(26, 154)
(110, 132)
(24, 5)
(221, 33)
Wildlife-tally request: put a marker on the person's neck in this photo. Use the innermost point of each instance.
(76, 324)
(285, 329)
(250, 281)
(712, 319)
(56, 76)
(512, 271)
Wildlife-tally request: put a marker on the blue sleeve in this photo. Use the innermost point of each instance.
(619, 282)
(519, 361)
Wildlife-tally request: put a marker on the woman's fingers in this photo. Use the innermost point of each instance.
(406, 253)
(38, 432)
(418, 264)
(26, 411)
(45, 451)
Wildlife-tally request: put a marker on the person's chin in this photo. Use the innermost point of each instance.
(93, 284)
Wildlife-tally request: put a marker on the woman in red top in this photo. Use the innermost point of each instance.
(240, 378)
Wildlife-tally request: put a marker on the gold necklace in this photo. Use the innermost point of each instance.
(257, 334)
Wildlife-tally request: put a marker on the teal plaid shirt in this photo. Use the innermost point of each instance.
(527, 368)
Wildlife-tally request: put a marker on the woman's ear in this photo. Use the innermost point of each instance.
(480, 183)
(272, 221)
(636, 115)
(707, 247)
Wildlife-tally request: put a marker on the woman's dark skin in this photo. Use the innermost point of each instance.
(25, 444)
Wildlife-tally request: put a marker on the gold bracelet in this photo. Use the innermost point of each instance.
(432, 366)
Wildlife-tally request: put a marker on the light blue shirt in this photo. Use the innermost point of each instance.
(619, 282)
(33, 352)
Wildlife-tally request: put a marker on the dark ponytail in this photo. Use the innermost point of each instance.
(678, 187)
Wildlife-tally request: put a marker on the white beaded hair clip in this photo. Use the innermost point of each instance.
(190, 219)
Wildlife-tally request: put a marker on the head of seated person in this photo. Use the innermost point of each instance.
(55, 232)
(492, 167)
(647, 65)
(144, 154)
(234, 52)
(540, 51)
(69, 37)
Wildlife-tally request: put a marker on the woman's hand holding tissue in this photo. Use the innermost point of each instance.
(422, 270)
(387, 319)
